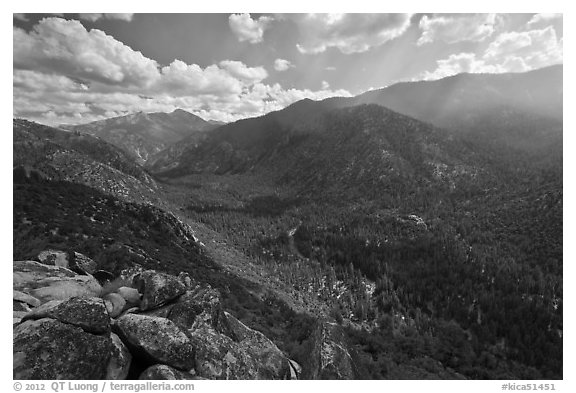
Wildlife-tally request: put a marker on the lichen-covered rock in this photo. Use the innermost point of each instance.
(157, 288)
(25, 298)
(115, 304)
(329, 356)
(219, 357)
(88, 313)
(73, 260)
(164, 372)
(80, 263)
(272, 363)
(54, 258)
(120, 360)
(200, 305)
(157, 339)
(49, 349)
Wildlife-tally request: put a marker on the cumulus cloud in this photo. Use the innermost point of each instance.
(243, 72)
(247, 29)
(180, 78)
(508, 52)
(541, 20)
(95, 17)
(538, 48)
(281, 65)
(64, 73)
(350, 33)
(452, 29)
(66, 47)
(325, 85)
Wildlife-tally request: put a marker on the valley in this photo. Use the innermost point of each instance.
(431, 239)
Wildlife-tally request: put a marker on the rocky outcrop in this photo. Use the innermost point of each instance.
(50, 349)
(272, 363)
(157, 339)
(114, 303)
(157, 288)
(72, 260)
(200, 305)
(160, 327)
(163, 372)
(120, 360)
(87, 313)
(329, 356)
(47, 283)
(220, 357)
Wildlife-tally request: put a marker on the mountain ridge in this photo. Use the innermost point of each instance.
(144, 134)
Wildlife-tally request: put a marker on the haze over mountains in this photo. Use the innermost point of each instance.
(421, 222)
(518, 111)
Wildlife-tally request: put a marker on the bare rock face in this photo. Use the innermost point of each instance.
(272, 363)
(74, 261)
(219, 357)
(157, 288)
(54, 258)
(49, 349)
(200, 305)
(25, 298)
(81, 264)
(295, 369)
(87, 313)
(329, 355)
(47, 283)
(120, 360)
(115, 304)
(163, 372)
(130, 295)
(157, 339)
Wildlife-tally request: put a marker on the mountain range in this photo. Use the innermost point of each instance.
(518, 113)
(144, 134)
(423, 221)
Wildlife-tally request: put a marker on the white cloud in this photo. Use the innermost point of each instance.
(350, 33)
(325, 85)
(282, 65)
(243, 72)
(180, 78)
(247, 29)
(541, 20)
(64, 73)
(537, 47)
(65, 46)
(95, 17)
(509, 52)
(452, 29)
(459, 63)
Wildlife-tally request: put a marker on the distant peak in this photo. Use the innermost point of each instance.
(179, 111)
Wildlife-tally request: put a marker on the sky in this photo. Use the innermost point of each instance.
(77, 68)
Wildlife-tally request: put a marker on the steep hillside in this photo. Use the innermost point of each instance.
(520, 110)
(144, 134)
(79, 158)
